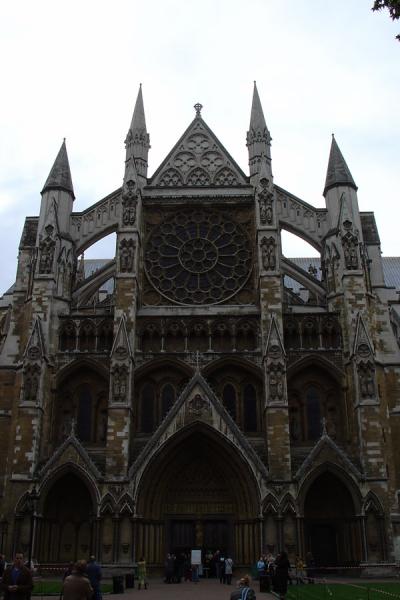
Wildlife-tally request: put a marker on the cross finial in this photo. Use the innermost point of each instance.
(324, 430)
(198, 108)
(72, 431)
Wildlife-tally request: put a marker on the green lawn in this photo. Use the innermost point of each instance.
(338, 591)
(48, 588)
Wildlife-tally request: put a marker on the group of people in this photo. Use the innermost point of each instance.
(81, 581)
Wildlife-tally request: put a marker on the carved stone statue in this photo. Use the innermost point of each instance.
(129, 203)
(265, 198)
(350, 250)
(126, 255)
(119, 384)
(46, 250)
(268, 254)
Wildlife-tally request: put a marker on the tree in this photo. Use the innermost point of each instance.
(393, 7)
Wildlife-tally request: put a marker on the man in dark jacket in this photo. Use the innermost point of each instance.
(17, 580)
(93, 571)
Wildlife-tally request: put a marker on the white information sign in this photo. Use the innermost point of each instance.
(196, 557)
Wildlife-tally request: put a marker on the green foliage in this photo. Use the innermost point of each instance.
(341, 591)
(393, 7)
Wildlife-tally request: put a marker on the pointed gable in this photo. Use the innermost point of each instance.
(198, 404)
(198, 160)
(34, 350)
(363, 346)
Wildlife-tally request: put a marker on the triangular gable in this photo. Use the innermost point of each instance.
(198, 403)
(35, 347)
(363, 346)
(71, 451)
(198, 160)
(121, 347)
(274, 346)
(325, 451)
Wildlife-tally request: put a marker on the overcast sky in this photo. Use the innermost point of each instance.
(72, 69)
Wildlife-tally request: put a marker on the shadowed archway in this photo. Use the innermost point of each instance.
(198, 493)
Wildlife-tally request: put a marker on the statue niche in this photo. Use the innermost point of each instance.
(129, 204)
(126, 255)
(46, 252)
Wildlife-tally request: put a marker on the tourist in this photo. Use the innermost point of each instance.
(169, 568)
(94, 574)
(261, 566)
(77, 585)
(228, 570)
(142, 574)
(282, 566)
(243, 591)
(17, 581)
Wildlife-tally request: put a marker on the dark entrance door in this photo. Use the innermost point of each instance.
(323, 543)
(216, 536)
(182, 536)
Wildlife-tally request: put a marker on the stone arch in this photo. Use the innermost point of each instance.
(108, 505)
(82, 397)
(68, 504)
(374, 522)
(240, 374)
(151, 380)
(177, 487)
(330, 500)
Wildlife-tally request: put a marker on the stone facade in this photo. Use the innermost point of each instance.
(200, 389)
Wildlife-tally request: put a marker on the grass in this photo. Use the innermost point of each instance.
(53, 588)
(338, 591)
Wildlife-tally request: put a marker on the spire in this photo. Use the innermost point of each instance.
(258, 138)
(137, 141)
(338, 172)
(60, 174)
(257, 119)
(138, 120)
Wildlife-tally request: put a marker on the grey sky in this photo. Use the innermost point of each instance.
(72, 69)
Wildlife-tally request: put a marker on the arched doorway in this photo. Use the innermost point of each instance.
(65, 529)
(332, 531)
(198, 492)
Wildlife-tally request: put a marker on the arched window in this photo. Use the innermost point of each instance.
(250, 408)
(229, 400)
(84, 424)
(167, 399)
(313, 404)
(147, 408)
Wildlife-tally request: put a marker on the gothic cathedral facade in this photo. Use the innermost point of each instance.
(200, 390)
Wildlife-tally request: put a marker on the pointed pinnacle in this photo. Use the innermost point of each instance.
(257, 119)
(138, 120)
(338, 173)
(60, 174)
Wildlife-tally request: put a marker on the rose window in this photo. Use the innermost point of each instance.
(198, 257)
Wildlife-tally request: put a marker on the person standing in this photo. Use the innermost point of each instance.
(77, 585)
(17, 581)
(94, 574)
(142, 574)
(282, 566)
(228, 570)
(2, 565)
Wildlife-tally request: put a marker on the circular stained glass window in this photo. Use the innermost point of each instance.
(198, 257)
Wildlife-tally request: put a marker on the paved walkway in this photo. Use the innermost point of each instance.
(206, 589)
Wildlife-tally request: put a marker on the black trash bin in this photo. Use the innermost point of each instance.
(118, 584)
(265, 583)
(129, 580)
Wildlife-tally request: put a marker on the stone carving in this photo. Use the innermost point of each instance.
(198, 406)
(350, 247)
(171, 178)
(198, 177)
(129, 203)
(366, 375)
(31, 382)
(126, 255)
(275, 382)
(225, 177)
(268, 253)
(265, 199)
(46, 250)
(120, 381)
